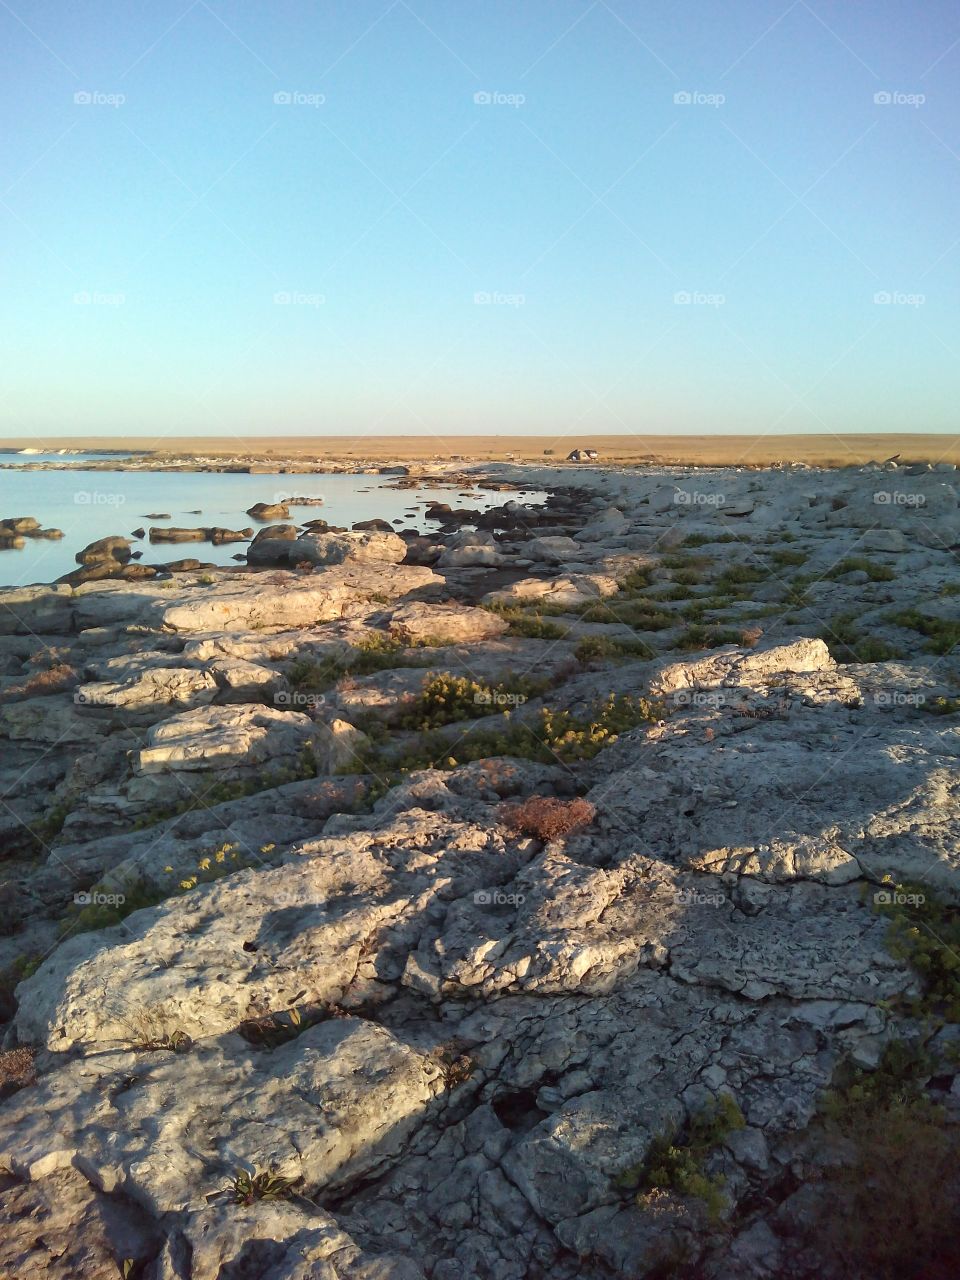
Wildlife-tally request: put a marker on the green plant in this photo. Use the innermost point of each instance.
(925, 932)
(89, 917)
(941, 706)
(640, 614)
(705, 539)
(446, 698)
(943, 633)
(860, 564)
(783, 559)
(847, 645)
(247, 1188)
(547, 736)
(888, 1208)
(592, 648)
(705, 637)
(735, 577)
(675, 1163)
(217, 863)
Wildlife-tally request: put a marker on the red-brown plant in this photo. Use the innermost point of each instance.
(546, 817)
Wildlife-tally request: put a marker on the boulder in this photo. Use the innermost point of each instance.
(471, 557)
(753, 668)
(417, 623)
(219, 536)
(348, 548)
(377, 523)
(609, 523)
(20, 524)
(172, 534)
(550, 550)
(104, 549)
(269, 511)
(222, 737)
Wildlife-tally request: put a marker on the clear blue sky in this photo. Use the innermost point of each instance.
(580, 200)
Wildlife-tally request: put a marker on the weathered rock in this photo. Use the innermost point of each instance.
(220, 737)
(443, 624)
(343, 548)
(62, 1227)
(269, 511)
(552, 550)
(105, 549)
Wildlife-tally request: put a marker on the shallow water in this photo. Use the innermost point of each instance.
(88, 505)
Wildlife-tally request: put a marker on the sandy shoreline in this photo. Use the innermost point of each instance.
(695, 450)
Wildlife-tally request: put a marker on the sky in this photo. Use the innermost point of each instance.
(416, 216)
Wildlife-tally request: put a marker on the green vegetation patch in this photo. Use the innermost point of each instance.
(675, 1163)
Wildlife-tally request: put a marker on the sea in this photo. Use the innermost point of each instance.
(88, 505)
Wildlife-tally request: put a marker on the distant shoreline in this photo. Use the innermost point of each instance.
(320, 453)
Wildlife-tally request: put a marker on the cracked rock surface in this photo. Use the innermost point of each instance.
(314, 943)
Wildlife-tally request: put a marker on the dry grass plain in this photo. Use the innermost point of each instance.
(686, 450)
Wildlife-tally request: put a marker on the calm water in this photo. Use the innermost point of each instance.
(88, 505)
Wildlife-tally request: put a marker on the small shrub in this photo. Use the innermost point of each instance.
(676, 1165)
(784, 559)
(702, 637)
(925, 932)
(889, 1209)
(219, 862)
(150, 1029)
(54, 679)
(17, 1070)
(247, 1188)
(546, 817)
(943, 633)
(855, 564)
(592, 648)
(736, 577)
(704, 539)
(847, 645)
(941, 706)
(447, 698)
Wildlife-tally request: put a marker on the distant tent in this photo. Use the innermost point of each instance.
(583, 455)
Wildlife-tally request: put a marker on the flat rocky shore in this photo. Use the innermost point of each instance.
(570, 893)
